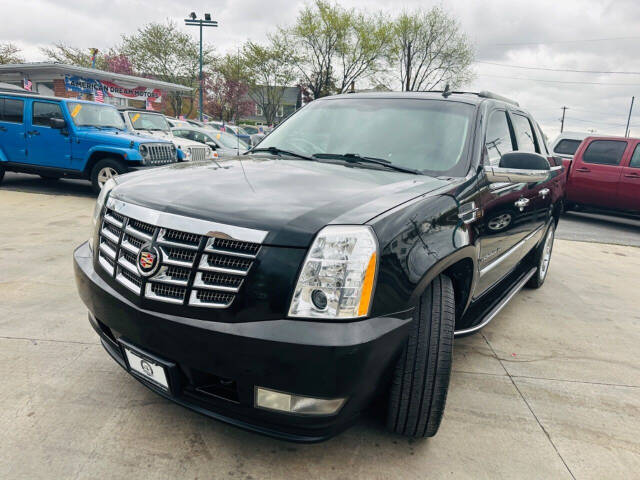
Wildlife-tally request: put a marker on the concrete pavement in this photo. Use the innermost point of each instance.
(550, 389)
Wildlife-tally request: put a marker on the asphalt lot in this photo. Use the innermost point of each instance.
(550, 389)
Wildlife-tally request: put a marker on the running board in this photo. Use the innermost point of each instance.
(495, 310)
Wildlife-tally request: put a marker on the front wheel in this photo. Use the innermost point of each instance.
(421, 378)
(543, 258)
(105, 170)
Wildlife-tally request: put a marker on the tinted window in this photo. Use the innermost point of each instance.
(43, 112)
(567, 147)
(498, 140)
(524, 134)
(604, 152)
(635, 160)
(11, 110)
(427, 135)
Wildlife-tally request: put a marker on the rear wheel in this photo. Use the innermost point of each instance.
(103, 171)
(543, 258)
(421, 378)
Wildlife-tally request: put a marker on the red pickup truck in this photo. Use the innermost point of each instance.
(605, 174)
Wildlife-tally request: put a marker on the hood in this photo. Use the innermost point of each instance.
(291, 199)
(117, 137)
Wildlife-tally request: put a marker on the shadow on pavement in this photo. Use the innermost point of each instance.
(19, 182)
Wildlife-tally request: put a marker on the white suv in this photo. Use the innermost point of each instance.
(155, 124)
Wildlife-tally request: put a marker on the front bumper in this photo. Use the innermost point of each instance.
(214, 367)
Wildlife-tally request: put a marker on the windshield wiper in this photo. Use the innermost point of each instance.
(279, 151)
(356, 158)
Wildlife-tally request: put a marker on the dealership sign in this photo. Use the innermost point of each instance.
(91, 85)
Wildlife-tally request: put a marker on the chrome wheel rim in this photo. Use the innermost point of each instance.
(106, 174)
(500, 222)
(546, 253)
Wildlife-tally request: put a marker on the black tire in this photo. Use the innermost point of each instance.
(421, 378)
(1, 174)
(50, 178)
(541, 271)
(112, 163)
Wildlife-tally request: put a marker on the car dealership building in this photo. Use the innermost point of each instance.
(70, 81)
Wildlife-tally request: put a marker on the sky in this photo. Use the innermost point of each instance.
(545, 35)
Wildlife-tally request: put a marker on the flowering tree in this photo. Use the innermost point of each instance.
(118, 63)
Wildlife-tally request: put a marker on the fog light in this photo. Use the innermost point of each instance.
(288, 403)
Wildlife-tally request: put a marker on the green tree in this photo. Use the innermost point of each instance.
(429, 50)
(9, 53)
(163, 52)
(270, 72)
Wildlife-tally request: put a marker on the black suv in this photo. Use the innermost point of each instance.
(284, 290)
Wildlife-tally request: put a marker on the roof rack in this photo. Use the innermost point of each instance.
(482, 94)
(495, 96)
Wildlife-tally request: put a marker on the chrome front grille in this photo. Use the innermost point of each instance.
(198, 153)
(199, 268)
(161, 154)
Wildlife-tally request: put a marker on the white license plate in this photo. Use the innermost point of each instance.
(147, 368)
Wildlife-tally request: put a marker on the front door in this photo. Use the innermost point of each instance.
(46, 146)
(596, 173)
(629, 187)
(12, 139)
(511, 212)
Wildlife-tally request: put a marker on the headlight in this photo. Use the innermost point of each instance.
(338, 274)
(97, 210)
(144, 150)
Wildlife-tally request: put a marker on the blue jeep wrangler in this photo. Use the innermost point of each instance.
(56, 137)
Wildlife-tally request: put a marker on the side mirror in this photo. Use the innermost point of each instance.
(57, 123)
(212, 145)
(519, 167)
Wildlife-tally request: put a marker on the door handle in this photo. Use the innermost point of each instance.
(33, 132)
(521, 203)
(632, 175)
(582, 169)
(544, 192)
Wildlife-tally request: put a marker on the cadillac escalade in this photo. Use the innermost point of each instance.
(286, 290)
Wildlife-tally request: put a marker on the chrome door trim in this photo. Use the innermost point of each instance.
(185, 224)
(496, 310)
(510, 252)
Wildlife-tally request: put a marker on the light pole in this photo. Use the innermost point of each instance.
(207, 22)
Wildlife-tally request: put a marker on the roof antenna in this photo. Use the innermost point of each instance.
(447, 91)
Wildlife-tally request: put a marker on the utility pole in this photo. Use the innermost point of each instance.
(207, 22)
(626, 131)
(564, 110)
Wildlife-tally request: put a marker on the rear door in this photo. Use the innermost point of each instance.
(629, 186)
(46, 146)
(12, 137)
(596, 172)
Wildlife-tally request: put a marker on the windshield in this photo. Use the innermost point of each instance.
(90, 115)
(148, 121)
(228, 140)
(426, 135)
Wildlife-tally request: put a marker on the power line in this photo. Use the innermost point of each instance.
(562, 41)
(561, 81)
(554, 69)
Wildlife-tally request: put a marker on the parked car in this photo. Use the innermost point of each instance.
(55, 137)
(233, 129)
(222, 143)
(153, 124)
(605, 174)
(284, 292)
(257, 133)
